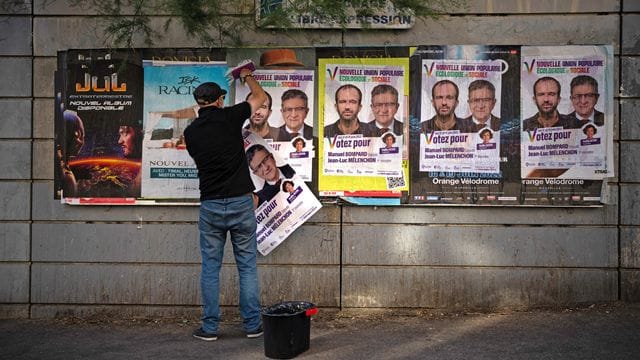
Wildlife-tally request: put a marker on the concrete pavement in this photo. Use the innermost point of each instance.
(599, 331)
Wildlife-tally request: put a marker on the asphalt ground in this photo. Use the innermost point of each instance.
(596, 331)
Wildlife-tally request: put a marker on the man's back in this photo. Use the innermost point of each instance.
(214, 141)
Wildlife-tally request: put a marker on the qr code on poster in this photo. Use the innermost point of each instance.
(395, 182)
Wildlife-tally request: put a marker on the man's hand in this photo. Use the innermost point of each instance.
(244, 73)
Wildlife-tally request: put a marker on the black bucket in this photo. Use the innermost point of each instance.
(287, 328)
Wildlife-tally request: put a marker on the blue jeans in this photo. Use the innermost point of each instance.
(217, 217)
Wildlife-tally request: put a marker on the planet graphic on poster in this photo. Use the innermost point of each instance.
(106, 177)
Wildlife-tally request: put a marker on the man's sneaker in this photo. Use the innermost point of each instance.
(202, 335)
(255, 333)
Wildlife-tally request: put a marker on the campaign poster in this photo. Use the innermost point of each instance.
(363, 126)
(296, 60)
(468, 145)
(285, 121)
(168, 172)
(567, 112)
(99, 117)
(283, 200)
(464, 119)
(567, 130)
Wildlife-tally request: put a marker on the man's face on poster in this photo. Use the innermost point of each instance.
(74, 132)
(444, 99)
(547, 97)
(384, 107)
(584, 98)
(481, 103)
(261, 115)
(78, 139)
(127, 140)
(348, 104)
(294, 111)
(264, 165)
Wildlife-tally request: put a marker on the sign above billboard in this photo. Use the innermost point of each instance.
(384, 16)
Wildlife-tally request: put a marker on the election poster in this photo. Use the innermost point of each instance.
(168, 172)
(283, 200)
(567, 135)
(363, 126)
(469, 144)
(566, 123)
(463, 124)
(99, 119)
(299, 66)
(285, 121)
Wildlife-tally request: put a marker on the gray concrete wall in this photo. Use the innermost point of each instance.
(629, 150)
(144, 261)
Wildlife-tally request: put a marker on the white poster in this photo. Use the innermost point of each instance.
(460, 115)
(283, 200)
(567, 120)
(286, 121)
